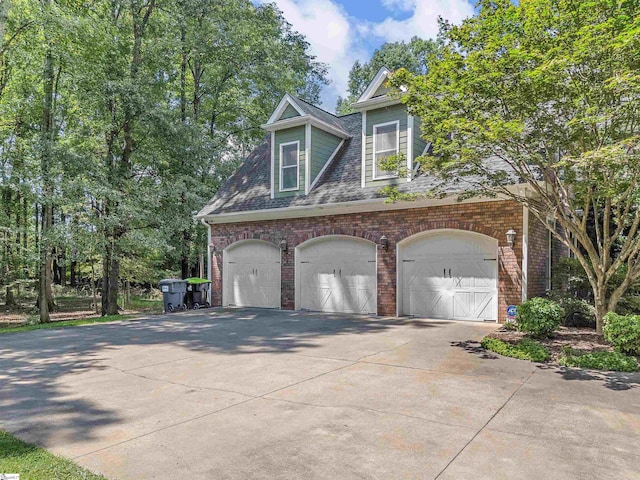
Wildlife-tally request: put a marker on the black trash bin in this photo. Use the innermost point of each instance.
(173, 292)
(197, 292)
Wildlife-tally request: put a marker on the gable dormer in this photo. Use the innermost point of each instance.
(304, 141)
(387, 129)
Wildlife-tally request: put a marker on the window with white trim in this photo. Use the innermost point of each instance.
(289, 166)
(386, 142)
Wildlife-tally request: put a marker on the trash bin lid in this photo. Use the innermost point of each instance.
(170, 281)
(196, 280)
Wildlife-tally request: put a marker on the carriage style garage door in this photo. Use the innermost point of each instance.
(449, 274)
(336, 274)
(251, 275)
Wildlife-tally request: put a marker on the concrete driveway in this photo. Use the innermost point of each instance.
(244, 394)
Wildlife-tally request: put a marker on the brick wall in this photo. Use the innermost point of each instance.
(537, 258)
(491, 218)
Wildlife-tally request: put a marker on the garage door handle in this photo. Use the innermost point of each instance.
(340, 272)
(334, 272)
(444, 272)
(449, 273)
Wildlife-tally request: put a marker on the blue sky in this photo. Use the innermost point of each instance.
(343, 31)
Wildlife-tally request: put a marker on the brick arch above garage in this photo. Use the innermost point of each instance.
(448, 225)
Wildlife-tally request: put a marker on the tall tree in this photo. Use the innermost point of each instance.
(551, 89)
(412, 56)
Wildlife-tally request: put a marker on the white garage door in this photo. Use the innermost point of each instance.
(251, 275)
(336, 274)
(450, 274)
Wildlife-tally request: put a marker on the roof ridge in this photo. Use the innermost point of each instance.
(315, 106)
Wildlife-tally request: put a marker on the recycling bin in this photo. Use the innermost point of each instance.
(173, 293)
(197, 292)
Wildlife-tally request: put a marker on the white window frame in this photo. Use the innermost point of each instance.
(375, 127)
(297, 166)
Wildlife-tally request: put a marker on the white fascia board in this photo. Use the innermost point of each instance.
(304, 120)
(377, 102)
(273, 162)
(282, 106)
(378, 80)
(409, 147)
(359, 206)
(364, 150)
(307, 159)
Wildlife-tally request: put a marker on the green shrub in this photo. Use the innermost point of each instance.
(539, 317)
(613, 361)
(524, 350)
(577, 312)
(623, 331)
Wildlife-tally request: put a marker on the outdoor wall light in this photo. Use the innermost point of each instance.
(212, 248)
(511, 237)
(384, 242)
(283, 246)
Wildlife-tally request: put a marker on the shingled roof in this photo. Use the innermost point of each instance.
(248, 189)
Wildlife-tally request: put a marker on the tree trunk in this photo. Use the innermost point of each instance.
(45, 296)
(600, 307)
(111, 272)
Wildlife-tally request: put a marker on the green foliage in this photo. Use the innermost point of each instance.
(545, 93)
(35, 463)
(611, 361)
(412, 56)
(526, 349)
(577, 312)
(539, 317)
(623, 331)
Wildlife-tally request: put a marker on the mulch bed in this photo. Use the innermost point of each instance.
(583, 339)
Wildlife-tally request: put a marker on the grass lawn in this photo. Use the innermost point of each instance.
(65, 323)
(35, 463)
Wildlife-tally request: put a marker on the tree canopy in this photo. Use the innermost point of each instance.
(549, 90)
(120, 119)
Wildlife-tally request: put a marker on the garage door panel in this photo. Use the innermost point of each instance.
(252, 275)
(449, 274)
(337, 274)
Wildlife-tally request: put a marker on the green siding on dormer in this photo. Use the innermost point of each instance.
(382, 90)
(418, 142)
(289, 112)
(285, 136)
(323, 145)
(375, 117)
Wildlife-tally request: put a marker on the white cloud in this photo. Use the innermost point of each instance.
(338, 39)
(402, 5)
(332, 37)
(424, 21)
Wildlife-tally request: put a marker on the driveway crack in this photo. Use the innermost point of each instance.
(484, 426)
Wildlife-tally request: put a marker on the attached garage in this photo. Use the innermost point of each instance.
(251, 274)
(448, 274)
(336, 274)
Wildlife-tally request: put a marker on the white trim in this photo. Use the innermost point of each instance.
(339, 208)
(304, 120)
(307, 159)
(282, 106)
(376, 102)
(326, 165)
(373, 158)
(425, 233)
(280, 166)
(364, 150)
(525, 251)
(273, 160)
(378, 80)
(409, 147)
(209, 260)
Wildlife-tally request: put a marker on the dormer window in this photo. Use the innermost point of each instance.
(386, 142)
(289, 166)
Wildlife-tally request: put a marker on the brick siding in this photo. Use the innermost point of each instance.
(490, 218)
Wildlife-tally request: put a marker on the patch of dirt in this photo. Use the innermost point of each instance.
(584, 339)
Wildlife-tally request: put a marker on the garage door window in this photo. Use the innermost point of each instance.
(386, 142)
(289, 165)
